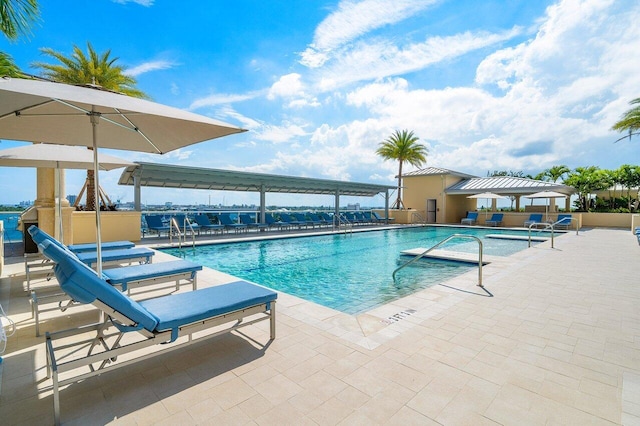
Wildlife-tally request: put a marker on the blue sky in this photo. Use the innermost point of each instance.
(492, 85)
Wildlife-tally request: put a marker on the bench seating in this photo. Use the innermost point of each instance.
(163, 322)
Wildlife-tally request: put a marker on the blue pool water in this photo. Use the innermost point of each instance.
(349, 272)
(10, 220)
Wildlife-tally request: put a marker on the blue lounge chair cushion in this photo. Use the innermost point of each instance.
(181, 309)
(122, 276)
(111, 245)
(84, 286)
(114, 255)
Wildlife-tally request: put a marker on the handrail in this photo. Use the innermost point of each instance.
(450, 237)
(347, 222)
(552, 227)
(182, 235)
(421, 219)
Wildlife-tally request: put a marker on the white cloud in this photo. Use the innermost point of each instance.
(221, 99)
(280, 134)
(149, 66)
(560, 93)
(354, 19)
(377, 59)
(287, 86)
(145, 3)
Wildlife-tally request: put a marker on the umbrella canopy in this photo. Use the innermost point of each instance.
(548, 195)
(487, 196)
(58, 156)
(42, 111)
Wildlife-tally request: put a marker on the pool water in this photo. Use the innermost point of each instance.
(351, 273)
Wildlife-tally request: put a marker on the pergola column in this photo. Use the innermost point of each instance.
(337, 204)
(137, 204)
(263, 206)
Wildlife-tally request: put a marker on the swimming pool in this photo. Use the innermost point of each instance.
(349, 272)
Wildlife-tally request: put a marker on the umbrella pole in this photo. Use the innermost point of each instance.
(94, 124)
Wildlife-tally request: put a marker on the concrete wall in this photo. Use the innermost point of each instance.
(418, 189)
(116, 226)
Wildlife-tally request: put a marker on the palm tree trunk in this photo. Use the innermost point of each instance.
(91, 199)
(399, 204)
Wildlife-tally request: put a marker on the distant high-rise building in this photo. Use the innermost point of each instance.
(72, 199)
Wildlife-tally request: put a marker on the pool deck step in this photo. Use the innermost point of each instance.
(448, 255)
(536, 238)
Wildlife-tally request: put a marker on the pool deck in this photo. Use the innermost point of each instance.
(558, 343)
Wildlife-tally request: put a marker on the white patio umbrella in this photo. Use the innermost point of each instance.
(548, 195)
(42, 111)
(488, 196)
(58, 157)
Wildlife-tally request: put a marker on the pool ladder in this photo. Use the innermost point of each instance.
(181, 234)
(341, 220)
(420, 219)
(449, 238)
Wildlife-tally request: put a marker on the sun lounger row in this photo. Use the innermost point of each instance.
(472, 219)
(245, 222)
(130, 328)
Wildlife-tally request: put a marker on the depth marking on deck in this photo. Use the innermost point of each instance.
(399, 316)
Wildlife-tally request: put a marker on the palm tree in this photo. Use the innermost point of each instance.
(630, 121)
(402, 146)
(16, 17)
(92, 69)
(8, 67)
(556, 172)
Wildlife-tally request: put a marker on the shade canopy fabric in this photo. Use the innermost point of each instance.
(42, 111)
(546, 194)
(58, 157)
(487, 195)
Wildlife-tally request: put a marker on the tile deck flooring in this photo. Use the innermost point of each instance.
(558, 343)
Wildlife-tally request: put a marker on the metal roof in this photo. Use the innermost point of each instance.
(506, 185)
(428, 171)
(172, 176)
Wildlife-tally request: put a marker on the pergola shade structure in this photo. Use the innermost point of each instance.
(507, 186)
(172, 176)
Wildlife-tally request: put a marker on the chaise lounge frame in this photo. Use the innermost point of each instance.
(246, 304)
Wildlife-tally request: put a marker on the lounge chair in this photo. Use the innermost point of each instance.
(205, 224)
(155, 224)
(35, 264)
(90, 258)
(471, 219)
(361, 218)
(319, 220)
(327, 218)
(288, 219)
(306, 220)
(495, 220)
(533, 218)
(273, 223)
(229, 224)
(252, 224)
(130, 328)
(563, 222)
(382, 219)
(126, 278)
(111, 245)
